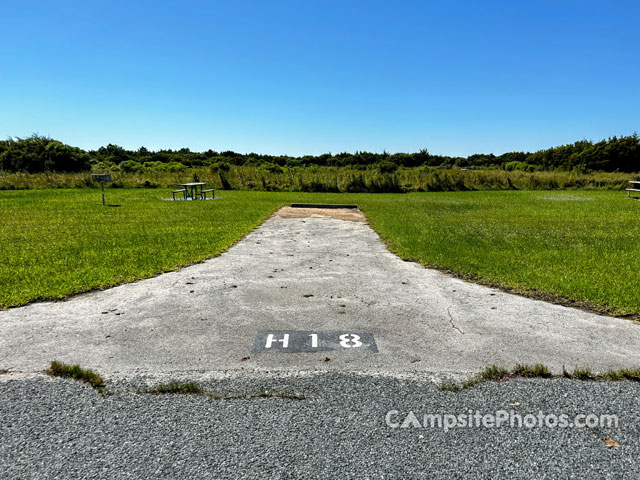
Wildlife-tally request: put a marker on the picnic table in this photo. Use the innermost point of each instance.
(194, 190)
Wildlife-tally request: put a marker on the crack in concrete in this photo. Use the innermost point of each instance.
(451, 322)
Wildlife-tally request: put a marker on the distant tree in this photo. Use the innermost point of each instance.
(38, 154)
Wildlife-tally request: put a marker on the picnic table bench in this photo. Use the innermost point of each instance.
(183, 191)
(634, 187)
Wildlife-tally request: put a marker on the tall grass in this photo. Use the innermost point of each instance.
(332, 180)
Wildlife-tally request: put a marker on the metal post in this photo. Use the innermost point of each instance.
(102, 178)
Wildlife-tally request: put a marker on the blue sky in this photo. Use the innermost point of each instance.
(298, 77)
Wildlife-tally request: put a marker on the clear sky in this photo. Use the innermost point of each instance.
(297, 77)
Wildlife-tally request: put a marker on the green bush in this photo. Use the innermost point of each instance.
(521, 166)
(387, 167)
(271, 167)
(175, 167)
(220, 166)
(157, 165)
(131, 166)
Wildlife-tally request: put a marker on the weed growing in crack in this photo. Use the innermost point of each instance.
(59, 369)
(495, 373)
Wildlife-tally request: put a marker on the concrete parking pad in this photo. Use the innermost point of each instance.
(318, 274)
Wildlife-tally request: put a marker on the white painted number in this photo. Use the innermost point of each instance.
(314, 340)
(284, 340)
(352, 342)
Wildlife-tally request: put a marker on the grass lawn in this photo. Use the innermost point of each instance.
(583, 247)
(580, 246)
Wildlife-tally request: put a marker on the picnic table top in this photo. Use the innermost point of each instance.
(192, 184)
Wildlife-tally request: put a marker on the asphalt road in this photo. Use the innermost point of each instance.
(54, 428)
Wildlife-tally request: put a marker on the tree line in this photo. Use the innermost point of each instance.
(42, 154)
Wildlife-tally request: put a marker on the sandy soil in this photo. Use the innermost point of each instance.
(349, 214)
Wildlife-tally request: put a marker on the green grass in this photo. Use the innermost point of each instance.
(59, 369)
(536, 371)
(60, 242)
(184, 388)
(580, 374)
(580, 247)
(576, 246)
(495, 373)
(585, 374)
(624, 374)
